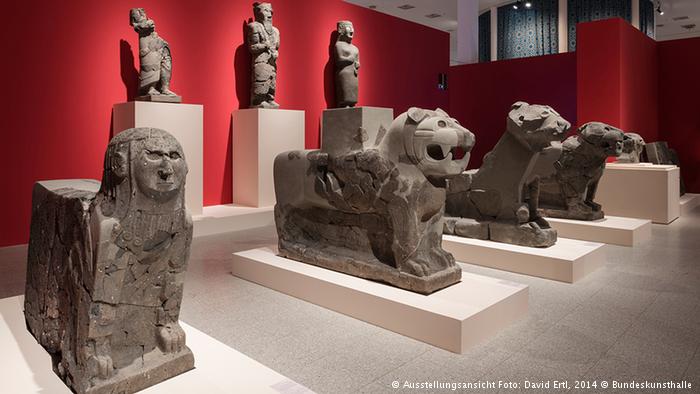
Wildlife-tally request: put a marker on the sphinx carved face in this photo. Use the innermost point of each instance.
(536, 126)
(439, 146)
(160, 169)
(604, 137)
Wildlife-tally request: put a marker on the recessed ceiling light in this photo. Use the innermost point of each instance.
(433, 16)
(680, 18)
(689, 27)
(661, 25)
(406, 7)
(372, 7)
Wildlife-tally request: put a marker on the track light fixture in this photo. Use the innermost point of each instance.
(522, 3)
(658, 8)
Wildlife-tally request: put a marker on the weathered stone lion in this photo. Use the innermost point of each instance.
(568, 186)
(499, 201)
(632, 148)
(375, 212)
(106, 268)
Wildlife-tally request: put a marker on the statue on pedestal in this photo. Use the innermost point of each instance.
(263, 42)
(105, 270)
(347, 65)
(155, 58)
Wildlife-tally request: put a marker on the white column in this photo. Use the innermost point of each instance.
(563, 26)
(494, 33)
(468, 31)
(635, 13)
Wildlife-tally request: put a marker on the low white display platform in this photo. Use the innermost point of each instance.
(259, 135)
(454, 318)
(643, 190)
(218, 219)
(567, 261)
(609, 230)
(25, 367)
(185, 122)
(688, 202)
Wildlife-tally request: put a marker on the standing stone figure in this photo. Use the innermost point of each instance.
(155, 59)
(375, 212)
(499, 201)
(632, 148)
(105, 270)
(347, 65)
(264, 43)
(569, 185)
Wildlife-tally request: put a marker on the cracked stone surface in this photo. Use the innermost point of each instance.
(106, 267)
(568, 186)
(375, 212)
(347, 66)
(499, 201)
(156, 61)
(632, 148)
(263, 41)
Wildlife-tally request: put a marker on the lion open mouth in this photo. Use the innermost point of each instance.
(441, 152)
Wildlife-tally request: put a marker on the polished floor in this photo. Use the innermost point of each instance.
(637, 318)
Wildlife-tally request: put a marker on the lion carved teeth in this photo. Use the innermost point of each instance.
(445, 149)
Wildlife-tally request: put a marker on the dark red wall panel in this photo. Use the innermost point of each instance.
(66, 63)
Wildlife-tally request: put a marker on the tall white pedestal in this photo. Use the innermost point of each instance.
(640, 191)
(453, 318)
(567, 261)
(259, 135)
(185, 123)
(609, 230)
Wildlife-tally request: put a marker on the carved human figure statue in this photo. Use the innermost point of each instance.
(347, 65)
(264, 43)
(156, 64)
(106, 270)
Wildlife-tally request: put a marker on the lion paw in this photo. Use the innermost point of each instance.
(171, 338)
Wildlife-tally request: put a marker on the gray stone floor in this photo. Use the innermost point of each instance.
(638, 317)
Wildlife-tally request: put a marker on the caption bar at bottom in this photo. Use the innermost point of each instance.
(542, 384)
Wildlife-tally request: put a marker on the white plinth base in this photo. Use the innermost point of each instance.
(218, 219)
(259, 135)
(453, 318)
(688, 202)
(643, 190)
(567, 261)
(25, 367)
(609, 230)
(186, 123)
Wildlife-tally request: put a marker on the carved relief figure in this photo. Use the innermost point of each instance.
(155, 58)
(375, 212)
(499, 201)
(347, 66)
(264, 43)
(632, 148)
(568, 186)
(105, 271)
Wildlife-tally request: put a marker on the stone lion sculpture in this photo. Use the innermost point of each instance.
(106, 268)
(632, 148)
(375, 212)
(568, 186)
(499, 201)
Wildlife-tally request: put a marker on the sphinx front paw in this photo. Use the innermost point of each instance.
(171, 338)
(101, 366)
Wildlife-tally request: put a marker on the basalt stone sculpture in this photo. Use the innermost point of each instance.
(660, 153)
(156, 61)
(264, 43)
(568, 186)
(499, 201)
(105, 270)
(375, 212)
(632, 148)
(347, 66)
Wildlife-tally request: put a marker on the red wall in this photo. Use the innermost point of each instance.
(67, 63)
(481, 94)
(679, 119)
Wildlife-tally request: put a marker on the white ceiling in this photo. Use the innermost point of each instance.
(447, 21)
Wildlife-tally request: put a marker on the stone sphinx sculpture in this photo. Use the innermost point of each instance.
(105, 269)
(155, 60)
(263, 42)
(347, 66)
(568, 186)
(375, 211)
(632, 148)
(499, 201)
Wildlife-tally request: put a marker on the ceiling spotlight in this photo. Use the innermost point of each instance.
(515, 6)
(658, 8)
(528, 4)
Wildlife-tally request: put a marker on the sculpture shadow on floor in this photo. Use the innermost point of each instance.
(329, 72)
(241, 69)
(129, 72)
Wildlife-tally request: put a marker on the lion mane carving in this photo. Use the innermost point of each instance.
(375, 212)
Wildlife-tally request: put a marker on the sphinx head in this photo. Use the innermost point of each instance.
(143, 165)
(632, 144)
(606, 138)
(536, 126)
